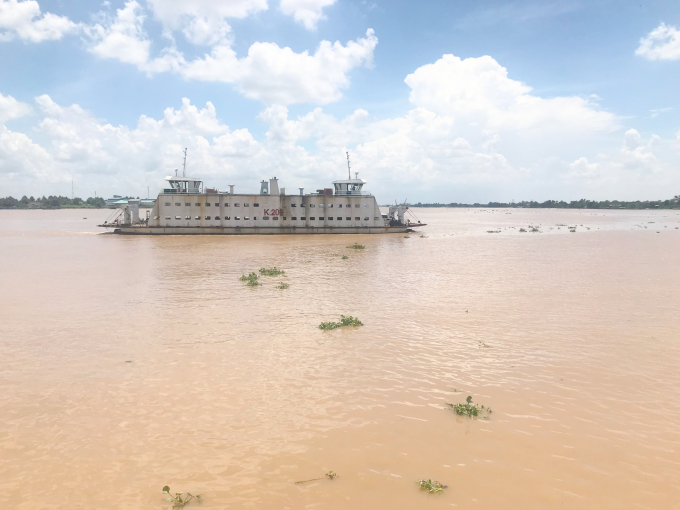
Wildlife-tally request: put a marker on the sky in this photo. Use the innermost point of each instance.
(435, 101)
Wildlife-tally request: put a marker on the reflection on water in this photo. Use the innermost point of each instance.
(130, 363)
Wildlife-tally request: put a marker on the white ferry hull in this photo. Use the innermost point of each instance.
(141, 230)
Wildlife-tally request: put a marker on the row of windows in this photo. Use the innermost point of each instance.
(227, 204)
(274, 218)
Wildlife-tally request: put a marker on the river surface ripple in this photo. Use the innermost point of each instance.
(129, 363)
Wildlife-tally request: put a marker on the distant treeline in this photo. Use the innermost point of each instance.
(51, 202)
(673, 203)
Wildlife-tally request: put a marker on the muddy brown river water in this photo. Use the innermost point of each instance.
(129, 363)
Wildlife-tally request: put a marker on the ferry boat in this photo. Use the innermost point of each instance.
(186, 207)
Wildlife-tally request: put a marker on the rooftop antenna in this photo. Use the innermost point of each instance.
(349, 173)
(176, 172)
(184, 170)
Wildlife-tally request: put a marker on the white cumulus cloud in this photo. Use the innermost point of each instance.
(10, 108)
(472, 134)
(173, 13)
(23, 20)
(662, 43)
(307, 12)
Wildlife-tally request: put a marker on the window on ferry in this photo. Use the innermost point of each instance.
(226, 204)
(366, 218)
(357, 218)
(294, 218)
(227, 218)
(237, 205)
(177, 204)
(167, 217)
(312, 205)
(256, 205)
(376, 217)
(198, 205)
(321, 205)
(293, 205)
(245, 205)
(348, 218)
(339, 218)
(312, 218)
(330, 205)
(339, 206)
(217, 218)
(285, 218)
(321, 217)
(255, 218)
(188, 204)
(156, 217)
(178, 217)
(167, 204)
(246, 218)
(207, 217)
(197, 217)
(303, 217)
(237, 218)
(275, 218)
(357, 205)
(207, 205)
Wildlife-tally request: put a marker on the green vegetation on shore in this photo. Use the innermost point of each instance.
(673, 203)
(52, 202)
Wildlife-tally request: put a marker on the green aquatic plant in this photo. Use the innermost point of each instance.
(533, 229)
(431, 485)
(421, 235)
(493, 231)
(282, 286)
(271, 272)
(330, 475)
(469, 409)
(180, 500)
(345, 257)
(407, 236)
(357, 246)
(522, 230)
(251, 279)
(344, 321)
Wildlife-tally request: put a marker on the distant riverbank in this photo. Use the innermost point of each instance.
(52, 202)
(673, 203)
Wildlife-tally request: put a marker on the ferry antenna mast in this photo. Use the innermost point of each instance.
(349, 173)
(184, 169)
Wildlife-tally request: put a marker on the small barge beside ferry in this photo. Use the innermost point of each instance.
(186, 207)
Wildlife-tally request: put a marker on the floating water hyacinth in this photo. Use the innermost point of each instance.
(251, 279)
(271, 272)
(180, 500)
(469, 409)
(431, 485)
(357, 246)
(344, 321)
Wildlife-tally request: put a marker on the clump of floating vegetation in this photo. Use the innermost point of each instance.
(469, 409)
(493, 231)
(345, 257)
(282, 286)
(357, 246)
(533, 229)
(407, 236)
(422, 235)
(431, 485)
(180, 500)
(271, 272)
(344, 321)
(251, 279)
(330, 475)
(522, 230)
